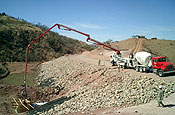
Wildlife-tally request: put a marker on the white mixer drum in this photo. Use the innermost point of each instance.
(143, 57)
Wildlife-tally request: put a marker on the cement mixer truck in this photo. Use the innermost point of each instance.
(144, 62)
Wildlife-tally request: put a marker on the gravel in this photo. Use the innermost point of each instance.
(89, 87)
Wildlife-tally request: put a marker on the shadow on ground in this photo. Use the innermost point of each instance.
(49, 105)
(169, 105)
(170, 75)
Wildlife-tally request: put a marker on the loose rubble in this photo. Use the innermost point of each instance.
(89, 87)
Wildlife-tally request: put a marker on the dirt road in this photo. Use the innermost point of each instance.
(138, 46)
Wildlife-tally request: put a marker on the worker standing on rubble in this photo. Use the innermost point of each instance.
(160, 96)
(99, 61)
(118, 68)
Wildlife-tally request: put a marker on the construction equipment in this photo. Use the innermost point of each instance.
(67, 29)
(145, 62)
(21, 105)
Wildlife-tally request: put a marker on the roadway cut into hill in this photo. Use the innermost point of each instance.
(139, 46)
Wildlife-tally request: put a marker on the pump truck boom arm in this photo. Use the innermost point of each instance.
(88, 38)
(99, 43)
(60, 26)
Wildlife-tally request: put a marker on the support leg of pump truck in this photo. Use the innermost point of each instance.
(21, 106)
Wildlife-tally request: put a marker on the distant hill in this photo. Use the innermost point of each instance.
(156, 47)
(16, 34)
(161, 48)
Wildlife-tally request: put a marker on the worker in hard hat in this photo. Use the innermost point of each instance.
(160, 96)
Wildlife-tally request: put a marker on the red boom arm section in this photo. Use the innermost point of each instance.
(99, 43)
(64, 28)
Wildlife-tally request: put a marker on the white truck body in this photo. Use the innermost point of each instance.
(144, 58)
(141, 61)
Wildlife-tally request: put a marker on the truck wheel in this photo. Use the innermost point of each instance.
(137, 68)
(114, 63)
(160, 73)
(125, 66)
(141, 69)
(146, 70)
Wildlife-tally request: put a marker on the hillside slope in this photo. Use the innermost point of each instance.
(155, 47)
(16, 34)
(161, 48)
(86, 88)
(127, 44)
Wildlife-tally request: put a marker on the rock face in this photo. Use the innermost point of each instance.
(87, 87)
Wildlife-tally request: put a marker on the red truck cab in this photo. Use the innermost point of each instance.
(161, 66)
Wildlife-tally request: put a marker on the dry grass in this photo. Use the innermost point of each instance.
(161, 48)
(125, 44)
(16, 76)
(155, 47)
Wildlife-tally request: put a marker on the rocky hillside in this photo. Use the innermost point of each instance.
(88, 87)
(16, 34)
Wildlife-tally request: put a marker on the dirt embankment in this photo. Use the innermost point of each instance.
(89, 87)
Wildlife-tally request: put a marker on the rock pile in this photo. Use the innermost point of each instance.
(98, 87)
(58, 72)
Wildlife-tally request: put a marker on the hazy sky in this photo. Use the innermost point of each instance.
(102, 19)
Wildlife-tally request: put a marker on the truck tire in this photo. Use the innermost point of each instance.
(137, 68)
(147, 69)
(126, 66)
(140, 69)
(113, 63)
(160, 73)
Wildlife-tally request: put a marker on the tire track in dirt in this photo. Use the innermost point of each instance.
(138, 46)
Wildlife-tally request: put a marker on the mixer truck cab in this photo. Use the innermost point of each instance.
(161, 66)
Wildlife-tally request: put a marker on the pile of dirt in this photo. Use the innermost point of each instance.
(88, 87)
